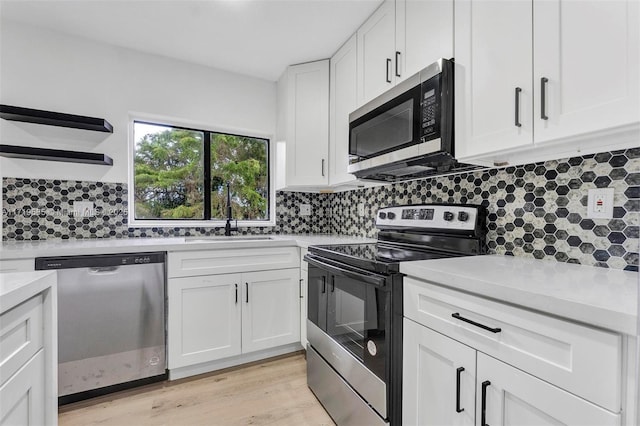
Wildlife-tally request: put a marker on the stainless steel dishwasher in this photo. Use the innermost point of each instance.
(111, 322)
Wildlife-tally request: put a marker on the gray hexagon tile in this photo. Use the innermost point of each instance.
(535, 210)
(39, 209)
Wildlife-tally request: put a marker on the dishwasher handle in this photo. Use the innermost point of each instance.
(103, 270)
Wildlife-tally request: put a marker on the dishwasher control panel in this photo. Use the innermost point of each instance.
(100, 260)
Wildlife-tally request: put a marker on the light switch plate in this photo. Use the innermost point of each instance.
(600, 203)
(305, 210)
(83, 209)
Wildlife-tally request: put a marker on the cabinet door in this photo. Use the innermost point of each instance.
(271, 309)
(424, 33)
(376, 53)
(342, 101)
(516, 398)
(432, 392)
(22, 397)
(203, 318)
(304, 294)
(493, 57)
(588, 50)
(307, 142)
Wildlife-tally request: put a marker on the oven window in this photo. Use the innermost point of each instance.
(356, 320)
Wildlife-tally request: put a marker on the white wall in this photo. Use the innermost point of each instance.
(51, 71)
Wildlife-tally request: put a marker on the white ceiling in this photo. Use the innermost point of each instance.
(253, 37)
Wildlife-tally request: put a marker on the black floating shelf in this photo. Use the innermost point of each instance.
(30, 153)
(59, 119)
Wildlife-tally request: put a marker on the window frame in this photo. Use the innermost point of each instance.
(132, 222)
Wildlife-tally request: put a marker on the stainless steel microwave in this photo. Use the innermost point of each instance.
(407, 132)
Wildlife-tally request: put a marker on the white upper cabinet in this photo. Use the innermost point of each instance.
(376, 53)
(588, 52)
(540, 79)
(303, 124)
(342, 101)
(424, 33)
(492, 59)
(398, 40)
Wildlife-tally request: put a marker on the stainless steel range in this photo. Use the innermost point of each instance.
(354, 324)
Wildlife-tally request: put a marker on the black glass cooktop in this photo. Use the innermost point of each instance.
(378, 257)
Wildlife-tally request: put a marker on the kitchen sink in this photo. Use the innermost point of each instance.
(223, 238)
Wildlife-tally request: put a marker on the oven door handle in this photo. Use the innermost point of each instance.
(359, 276)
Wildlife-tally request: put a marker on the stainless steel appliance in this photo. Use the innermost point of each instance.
(354, 326)
(111, 322)
(407, 132)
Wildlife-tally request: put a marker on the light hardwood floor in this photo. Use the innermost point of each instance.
(272, 392)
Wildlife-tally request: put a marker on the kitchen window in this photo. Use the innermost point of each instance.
(180, 174)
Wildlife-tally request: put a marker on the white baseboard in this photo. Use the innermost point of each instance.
(206, 367)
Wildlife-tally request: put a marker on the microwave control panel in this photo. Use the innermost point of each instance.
(430, 106)
(454, 217)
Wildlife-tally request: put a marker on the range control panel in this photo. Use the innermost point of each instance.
(455, 217)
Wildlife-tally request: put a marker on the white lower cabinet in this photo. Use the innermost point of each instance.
(508, 396)
(470, 360)
(28, 354)
(304, 293)
(22, 397)
(439, 377)
(442, 377)
(204, 319)
(271, 309)
(213, 317)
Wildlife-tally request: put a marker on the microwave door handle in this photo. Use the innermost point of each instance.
(370, 279)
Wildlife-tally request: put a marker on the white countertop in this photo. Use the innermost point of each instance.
(16, 287)
(601, 297)
(31, 249)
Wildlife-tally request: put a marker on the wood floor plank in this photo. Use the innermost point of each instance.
(272, 392)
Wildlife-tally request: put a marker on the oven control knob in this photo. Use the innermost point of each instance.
(382, 215)
(448, 216)
(391, 215)
(463, 216)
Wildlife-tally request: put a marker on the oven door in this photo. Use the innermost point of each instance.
(356, 320)
(351, 306)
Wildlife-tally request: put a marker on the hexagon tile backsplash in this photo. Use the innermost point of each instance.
(536, 210)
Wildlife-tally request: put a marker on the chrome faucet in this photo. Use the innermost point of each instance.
(228, 228)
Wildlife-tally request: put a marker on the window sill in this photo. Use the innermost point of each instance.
(199, 223)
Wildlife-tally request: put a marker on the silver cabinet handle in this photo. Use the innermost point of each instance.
(323, 167)
(301, 281)
(518, 90)
(398, 64)
(543, 98)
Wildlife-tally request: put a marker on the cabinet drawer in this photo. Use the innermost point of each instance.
(21, 330)
(22, 397)
(17, 265)
(582, 360)
(207, 262)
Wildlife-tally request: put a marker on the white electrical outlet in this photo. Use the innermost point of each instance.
(360, 209)
(600, 203)
(305, 210)
(83, 209)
